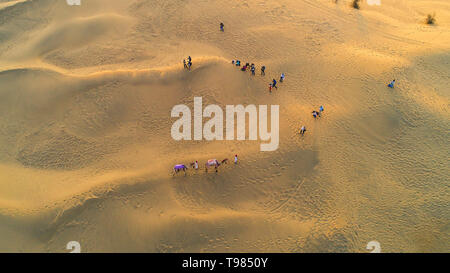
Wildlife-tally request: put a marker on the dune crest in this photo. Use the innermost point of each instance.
(86, 152)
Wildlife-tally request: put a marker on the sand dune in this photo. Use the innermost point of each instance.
(86, 152)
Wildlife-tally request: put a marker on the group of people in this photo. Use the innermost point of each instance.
(252, 68)
(315, 115)
(273, 84)
(188, 64)
(210, 163)
(248, 66)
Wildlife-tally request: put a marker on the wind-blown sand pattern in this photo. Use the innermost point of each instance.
(85, 147)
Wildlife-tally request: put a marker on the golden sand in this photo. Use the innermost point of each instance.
(86, 152)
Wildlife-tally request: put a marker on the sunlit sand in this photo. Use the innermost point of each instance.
(86, 152)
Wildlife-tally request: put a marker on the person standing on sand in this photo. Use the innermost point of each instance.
(270, 88)
(221, 27)
(282, 77)
(253, 69)
(263, 69)
(391, 85)
(189, 63)
(303, 130)
(235, 159)
(274, 84)
(184, 63)
(320, 110)
(314, 113)
(196, 165)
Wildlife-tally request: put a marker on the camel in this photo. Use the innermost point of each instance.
(178, 168)
(215, 163)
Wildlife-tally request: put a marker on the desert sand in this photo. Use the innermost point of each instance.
(85, 147)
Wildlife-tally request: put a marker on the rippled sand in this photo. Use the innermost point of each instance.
(86, 152)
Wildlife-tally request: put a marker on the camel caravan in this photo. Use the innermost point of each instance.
(209, 164)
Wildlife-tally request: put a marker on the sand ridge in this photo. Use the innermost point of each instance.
(85, 147)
